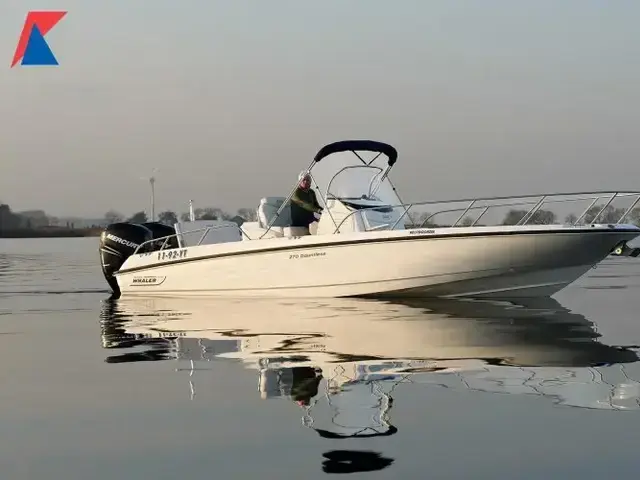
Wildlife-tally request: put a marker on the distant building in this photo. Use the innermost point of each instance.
(81, 222)
(35, 218)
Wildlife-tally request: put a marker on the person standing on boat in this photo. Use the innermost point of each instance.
(304, 204)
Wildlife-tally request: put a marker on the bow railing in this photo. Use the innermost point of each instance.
(536, 214)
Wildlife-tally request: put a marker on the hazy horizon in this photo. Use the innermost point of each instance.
(230, 100)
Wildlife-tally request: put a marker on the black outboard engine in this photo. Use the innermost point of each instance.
(119, 240)
(624, 250)
(117, 243)
(160, 230)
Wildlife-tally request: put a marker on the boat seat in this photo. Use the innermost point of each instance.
(267, 210)
(194, 233)
(296, 231)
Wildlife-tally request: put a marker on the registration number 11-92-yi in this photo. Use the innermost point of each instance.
(172, 254)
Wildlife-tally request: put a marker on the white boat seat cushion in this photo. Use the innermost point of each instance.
(268, 209)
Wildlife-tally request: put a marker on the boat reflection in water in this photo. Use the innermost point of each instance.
(341, 359)
(535, 347)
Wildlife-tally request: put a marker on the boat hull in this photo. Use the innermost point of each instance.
(497, 263)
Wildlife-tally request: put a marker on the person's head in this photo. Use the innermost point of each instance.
(305, 180)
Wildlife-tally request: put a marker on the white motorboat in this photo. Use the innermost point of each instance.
(367, 242)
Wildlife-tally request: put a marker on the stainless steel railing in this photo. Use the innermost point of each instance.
(538, 201)
(480, 203)
(176, 235)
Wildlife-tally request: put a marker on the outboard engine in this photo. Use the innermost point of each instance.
(160, 230)
(119, 240)
(624, 250)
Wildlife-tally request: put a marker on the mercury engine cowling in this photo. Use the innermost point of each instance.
(119, 240)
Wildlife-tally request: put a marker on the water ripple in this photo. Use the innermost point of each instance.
(53, 292)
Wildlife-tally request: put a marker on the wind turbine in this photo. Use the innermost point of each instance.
(152, 182)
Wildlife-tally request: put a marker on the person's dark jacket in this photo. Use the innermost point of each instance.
(303, 206)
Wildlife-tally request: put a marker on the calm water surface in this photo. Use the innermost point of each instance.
(165, 389)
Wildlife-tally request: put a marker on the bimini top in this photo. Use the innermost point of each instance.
(354, 145)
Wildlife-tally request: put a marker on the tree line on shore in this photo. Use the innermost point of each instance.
(36, 223)
(513, 216)
(12, 221)
(169, 217)
(546, 217)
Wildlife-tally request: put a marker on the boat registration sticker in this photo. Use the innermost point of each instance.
(162, 334)
(172, 254)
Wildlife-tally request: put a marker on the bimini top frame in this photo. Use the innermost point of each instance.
(358, 145)
(337, 147)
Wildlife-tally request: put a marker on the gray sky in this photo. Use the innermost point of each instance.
(232, 98)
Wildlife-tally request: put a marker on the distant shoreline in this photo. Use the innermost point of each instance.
(51, 233)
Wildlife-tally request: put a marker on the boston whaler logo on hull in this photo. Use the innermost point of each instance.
(147, 280)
